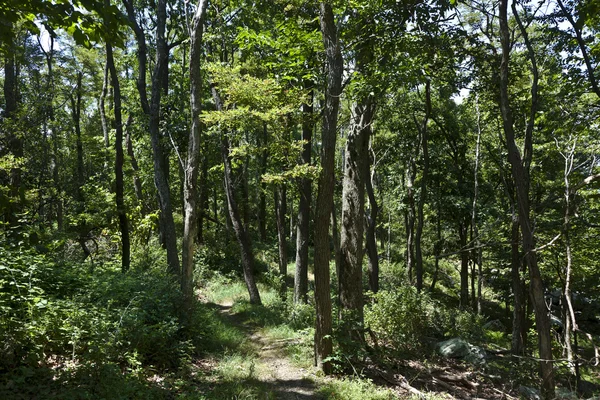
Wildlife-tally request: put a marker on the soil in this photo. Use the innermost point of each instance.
(286, 381)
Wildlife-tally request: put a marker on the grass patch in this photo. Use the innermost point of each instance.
(354, 388)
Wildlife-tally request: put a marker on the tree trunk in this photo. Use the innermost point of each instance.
(190, 189)
(577, 28)
(152, 110)
(570, 320)
(353, 211)
(203, 200)
(335, 238)
(521, 186)
(302, 234)
(241, 233)
(477, 253)
(371, 227)
(280, 214)
(323, 331)
(423, 191)
(410, 219)
(437, 248)
(262, 205)
(76, 116)
(464, 266)
(101, 106)
(519, 331)
(121, 212)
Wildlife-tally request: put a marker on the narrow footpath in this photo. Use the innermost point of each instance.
(275, 369)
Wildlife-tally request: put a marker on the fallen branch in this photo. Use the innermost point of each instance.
(402, 382)
(508, 396)
(461, 380)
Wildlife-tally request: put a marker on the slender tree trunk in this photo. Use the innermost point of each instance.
(323, 331)
(519, 340)
(302, 234)
(234, 213)
(203, 200)
(262, 206)
(121, 212)
(245, 193)
(152, 110)
(238, 226)
(464, 266)
(477, 258)
(570, 321)
(577, 28)
(438, 241)
(371, 227)
(280, 214)
(423, 191)
(410, 219)
(190, 189)
(521, 185)
(76, 116)
(335, 238)
(102, 107)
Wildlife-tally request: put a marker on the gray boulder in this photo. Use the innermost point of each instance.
(529, 393)
(461, 349)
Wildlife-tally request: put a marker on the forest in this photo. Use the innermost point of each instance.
(265, 199)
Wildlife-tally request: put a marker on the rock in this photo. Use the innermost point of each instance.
(529, 393)
(453, 348)
(565, 394)
(494, 325)
(476, 355)
(459, 348)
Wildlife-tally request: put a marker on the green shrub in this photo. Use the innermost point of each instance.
(405, 321)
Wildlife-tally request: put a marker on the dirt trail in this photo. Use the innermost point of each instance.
(287, 381)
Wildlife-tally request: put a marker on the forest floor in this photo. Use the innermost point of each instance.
(275, 370)
(274, 375)
(264, 368)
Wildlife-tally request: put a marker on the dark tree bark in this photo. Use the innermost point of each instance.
(262, 206)
(410, 218)
(521, 181)
(152, 110)
(335, 238)
(371, 229)
(76, 116)
(203, 200)
(437, 248)
(477, 252)
(423, 190)
(280, 216)
(237, 222)
(352, 224)
(102, 107)
(577, 28)
(121, 212)
(464, 265)
(190, 189)
(323, 331)
(519, 330)
(302, 233)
